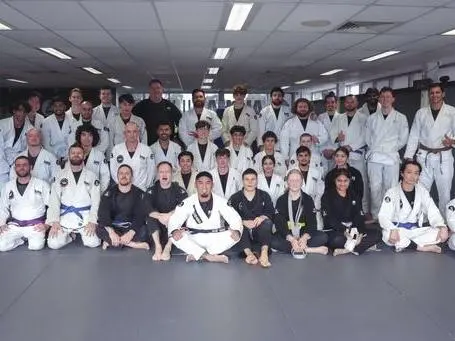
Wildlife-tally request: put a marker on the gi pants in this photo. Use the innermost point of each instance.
(140, 236)
(14, 236)
(63, 238)
(261, 235)
(381, 178)
(421, 236)
(318, 238)
(154, 225)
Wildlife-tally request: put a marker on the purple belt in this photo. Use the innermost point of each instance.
(30, 222)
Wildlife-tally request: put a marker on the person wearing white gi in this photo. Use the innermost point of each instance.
(116, 125)
(202, 149)
(273, 116)
(4, 167)
(371, 104)
(299, 124)
(94, 160)
(326, 118)
(106, 110)
(450, 215)
(269, 140)
(34, 117)
(164, 149)
(13, 130)
(313, 183)
(42, 163)
(405, 210)
(186, 125)
(23, 209)
(185, 175)
(241, 155)
(240, 114)
(431, 135)
(306, 140)
(136, 155)
(85, 119)
(75, 98)
(348, 129)
(56, 130)
(73, 204)
(270, 182)
(386, 133)
(226, 180)
(196, 229)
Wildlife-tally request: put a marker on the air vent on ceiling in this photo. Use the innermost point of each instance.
(365, 26)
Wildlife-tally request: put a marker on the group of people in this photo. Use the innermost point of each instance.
(284, 179)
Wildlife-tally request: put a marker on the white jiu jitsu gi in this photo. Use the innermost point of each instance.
(248, 119)
(45, 168)
(55, 139)
(241, 161)
(233, 184)
(269, 122)
(209, 159)
(276, 188)
(171, 156)
(12, 150)
(189, 119)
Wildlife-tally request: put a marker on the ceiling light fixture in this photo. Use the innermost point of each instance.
(4, 27)
(331, 72)
(449, 33)
(380, 56)
(16, 81)
(207, 80)
(303, 81)
(127, 87)
(55, 52)
(213, 70)
(206, 87)
(221, 53)
(114, 80)
(285, 87)
(92, 70)
(237, 17)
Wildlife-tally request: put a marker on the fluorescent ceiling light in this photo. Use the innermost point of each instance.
(127, 87)
(206, 87)
(207, 80)
(285, 87)
(55, 53)
(221, 53)
(331, 72)
(303, 81)
(237, 18)
(449, 33)
(16, 81)
(213, 70)
(4, 27)
(92, 70)
(113, 80)
(380, 56)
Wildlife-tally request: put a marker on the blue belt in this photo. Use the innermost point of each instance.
(71, 209)
(121, 224)
(407, 226)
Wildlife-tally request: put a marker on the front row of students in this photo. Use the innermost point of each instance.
(205, 225)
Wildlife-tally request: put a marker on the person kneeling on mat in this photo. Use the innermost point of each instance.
(403, 214)
(196, 228)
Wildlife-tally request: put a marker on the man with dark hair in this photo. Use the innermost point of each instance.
(73, 204)
(240, 114)
(156, 109)
(164, 149)
(198, 113)
(106, 110)
(185, 175)
(226, 180)
(255, 207)
(269, 141)
(241, 157)
(371, 104)
(202, 149)
(273, 116)
(23, 209)
(34, 117)
(403, 213)
(299, 124)
(204, 235)
(117, 124)
(13, 130)
(328, 148)
(56, 130)
(163, 196)
(122, 213)
(432, 137)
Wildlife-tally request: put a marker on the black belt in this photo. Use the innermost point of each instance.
(195, 231)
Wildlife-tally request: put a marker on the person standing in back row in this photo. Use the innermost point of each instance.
(156, 109)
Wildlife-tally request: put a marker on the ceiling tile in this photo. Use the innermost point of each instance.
(88, 38)
(240, 38)
(269, 16)
(425, 3)
(435, 22)
(339, 41)
(190, 38)
(15, 19)
(390, 13)
(388, 41)
(36, 38)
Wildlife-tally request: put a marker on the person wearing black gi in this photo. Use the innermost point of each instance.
(163, 197)
(295, 221)
(121, 214)
(344, 218)
(255, 207)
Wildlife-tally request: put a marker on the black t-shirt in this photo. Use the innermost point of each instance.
(76, 116)
(164, 151)
(269, 180)
(223, 179)
(126, 120)
(295, 208)
(385, 116)
(237, 112)
(331, 117)
(304, 122)
(207, 206)
(305, 175)
(186, 179)
(32, 160)
(131, 154)
(124, 205)
(154, 113)
(77, 175)
(86, 158)
(17, 134)
(237, 152)
(202, 150)
(410, 196)
(21, 187)
(435, 113)
(60, 122)
(349, 119)
(276, 111)
(106, 111)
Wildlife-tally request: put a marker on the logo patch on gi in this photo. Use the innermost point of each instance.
(87, 183)
(96, 162)
(106, 129)
(292, 162)
(451, 208)
(10, 195)
(38, 191)
(387, 199)
(229, 203)
(401, 203)
(47, 163)
(209, 118)
(152, 156)
(105, 161)
(181, 204)
(97, 183)
(64, 182)
(324, 213)
(120, 158)
(142, 157)
(352, 178)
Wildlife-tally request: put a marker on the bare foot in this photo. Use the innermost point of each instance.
(156, 256)
(264, 260)
(338, 252)
(216, 258)
(429, 248)
(105, 246)
(322, 250)
(190, 258)
(251, 259)
(134, 245)
(166, 255)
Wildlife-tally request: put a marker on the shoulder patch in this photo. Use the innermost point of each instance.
(181, 204)
(47, 163)
(64, 182)
(142, 157)
(152, 156)
(229, 202)
(451, 208)
(106, 129)
(87, 183)
(105, 161)
(387, 199)
(97, 182)
(11, 195)
(120, 159)
(107, 193)
(292, 162)
(96, 162)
